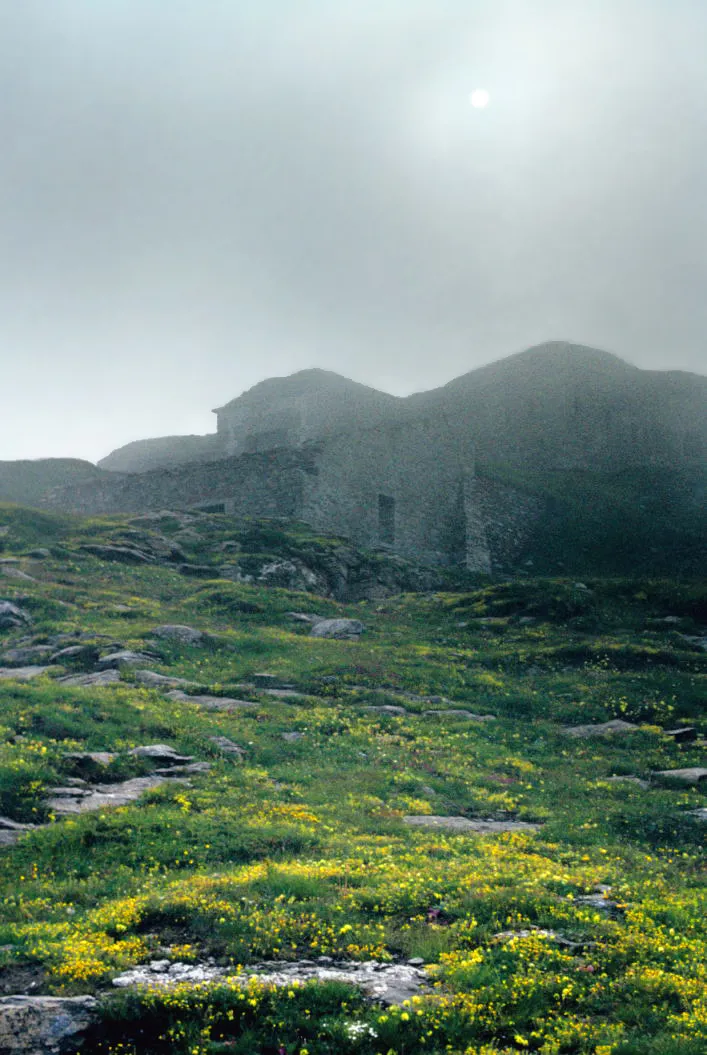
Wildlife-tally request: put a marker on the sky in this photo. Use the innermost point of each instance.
(199, 194)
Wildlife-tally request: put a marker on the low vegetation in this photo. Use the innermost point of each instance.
(583, 934)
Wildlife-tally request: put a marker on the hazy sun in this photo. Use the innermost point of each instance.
(479, 98)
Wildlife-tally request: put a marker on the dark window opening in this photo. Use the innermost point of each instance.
(386, 519)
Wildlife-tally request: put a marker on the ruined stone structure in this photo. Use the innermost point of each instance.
(401, 474)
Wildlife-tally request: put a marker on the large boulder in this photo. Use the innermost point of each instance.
(44, 1025)
(183, 635)
(124, 658)
(339, 629)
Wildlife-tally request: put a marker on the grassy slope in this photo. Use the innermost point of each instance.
(299, 850)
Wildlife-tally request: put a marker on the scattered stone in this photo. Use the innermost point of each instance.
(699, 814)
(690, 775)
(11, 616)
(41, 553)
(152, 680)
(184, 635)
(124, 658)
(100, 796)
(161, 753)
(292, 737)
(22, 657)
(103, 677)
(686, 735)
(627, 780)
(670, 620)
(227, 746)
(11, 572)
(382, 982)
(23, 673)
(338, 629)
(40, 1025)
(468, 824)
(305, 617)
(211, 703)
(586, 732)
(453, 712)
(699, 641)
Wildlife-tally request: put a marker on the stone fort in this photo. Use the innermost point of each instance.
(400, 474)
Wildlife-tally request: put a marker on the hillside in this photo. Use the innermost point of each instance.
(419, 837)
(143, 455)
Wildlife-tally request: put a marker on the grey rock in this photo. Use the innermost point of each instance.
(211, 703)
(183, 771)
(586, 732)
(338, 629)
(45, 1025)
(689, 775)
(292, 737)
(10, 572)
(11, 616)
(23, 673)
(122, 554)
(103, 677)
(97, 758)
(41, 553)
(699, 814)
(601, 902)
(184, 635)
(227, 746)
(468, 824)
(101, 796)
(161, 753)
(124, 658)
(627, 780)
(198, 571)
(152, 680)
(87, 654)
(27, 656)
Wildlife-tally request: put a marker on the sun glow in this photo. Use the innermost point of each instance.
(479, 98)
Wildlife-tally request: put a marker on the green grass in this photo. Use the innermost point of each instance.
(299, 849)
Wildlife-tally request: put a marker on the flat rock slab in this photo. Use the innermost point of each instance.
(453, 712)
(470, 824)
(615, 727)
(227, 746)
(161, 753)
(699, 814)
(100, 796)
(690, 775)
(627, 780)
(23, 673)
(183, 635)
(211, 703)
(124, 658)
(22, 657)
(10, 831)
(152, 680)
(11, 616)
(39, 1025)
(102, 677)
(382, 982)
(338, 629)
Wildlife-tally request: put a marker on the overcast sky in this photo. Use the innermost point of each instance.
(198, 194)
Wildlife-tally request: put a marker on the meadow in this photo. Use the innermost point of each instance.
(583, 934)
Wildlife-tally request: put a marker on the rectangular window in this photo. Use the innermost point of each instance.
(386, 519)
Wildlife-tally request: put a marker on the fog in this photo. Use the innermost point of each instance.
(199, 194)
